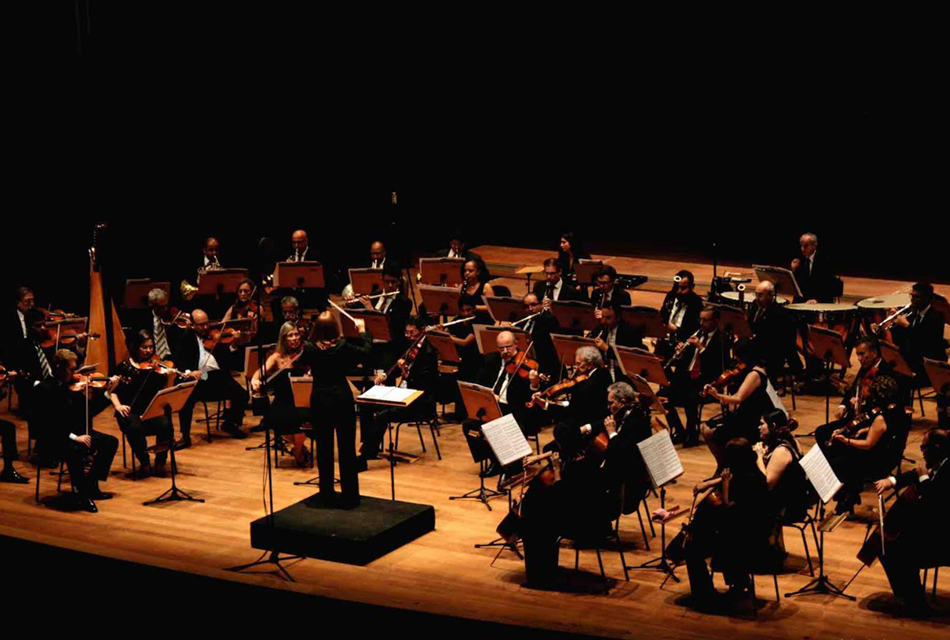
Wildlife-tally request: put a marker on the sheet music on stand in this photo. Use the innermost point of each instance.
(820, 474)
(506, 440)
(660, 458)
(392, 396)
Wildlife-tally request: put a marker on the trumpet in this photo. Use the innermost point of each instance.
(889, 320)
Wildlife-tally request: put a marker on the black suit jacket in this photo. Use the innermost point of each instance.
(567, 293)
(619, 298)
(541, 329)
(59, 412)
(925, 340)
(774, 331)
(519, 389)
(624, 465)
(920, 530)
(423, 374)
(588, 404)
(11, 335)
(710, 360)
(820, 284)
(694, 304)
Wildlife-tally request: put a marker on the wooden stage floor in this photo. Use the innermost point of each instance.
(442, 572)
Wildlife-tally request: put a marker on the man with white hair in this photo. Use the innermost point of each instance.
(587, 406)
(815, 277)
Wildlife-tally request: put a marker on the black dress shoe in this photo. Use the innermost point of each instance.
(159, 471)
(86, 504)
(348, 503)
(183, 443)
(10, 475)
(234, 431)
(100, 495)
(361, 465)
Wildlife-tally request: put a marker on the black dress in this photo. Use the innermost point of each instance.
(332, 408)
(137, 394)
(283, 417)
(475, 299)
(744, 421)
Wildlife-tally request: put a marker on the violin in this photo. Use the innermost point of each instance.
(82, 382)
(64, 338)
(860, 421)
(522, 369)
(544, 398)
(155, 364)
(726, 377)
(180, 319)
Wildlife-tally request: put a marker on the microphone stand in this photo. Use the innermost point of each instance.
(268, 557)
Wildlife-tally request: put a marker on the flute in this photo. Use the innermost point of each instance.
(449, 324)
(526, 318)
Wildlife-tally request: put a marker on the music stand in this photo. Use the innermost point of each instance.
(252, 359)
(166, 402)
(641, 386)
(486, 337)
(440, 301)
(441, 341)
(939, 374)
(566, 347)
(584, 270)
(377, 324)
(574, 315)
(482, 404)
(220, 281)
(446, 272)
(504, 309)
(366, 282)
(828, 347)
(891, 353)
(376, 397)
(136, 292)
(637, 362)
(646, 319)
(781, 278)
(298, 275)
(733, 320)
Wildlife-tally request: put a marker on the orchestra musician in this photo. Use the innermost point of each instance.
(577, 423)
(815, 278)
(511, 387)
(418, 369)
(463, 337)
(377, 255)
(570, 250)
(701, 360)
(588, 497)
(10, 454)
(754, 398)
(62, 417)
(474, 285)
(607, 293)
(131, 399)
(920, 542)
(555, 286)
(774, 332)
(15, 328)
(397, 308)
(197, 362)
(329, 357)
(777, 457)
(210, 255)
(919, 334)
(32, 361)
(680, 311)
(612, 331)
(871, 445)
(457, 247)
(730, 525)
(301, 245)
(284, 417)
(162, 324)
(18, 350)
(540, 328)
(868, 351)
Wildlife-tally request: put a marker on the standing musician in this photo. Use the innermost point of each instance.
(919, 334)
(814, 276)
(475, 285)
(62, 416)
(729, 525)
(607, 293)
(570, 250)
(919, 542)
(418, 369)
(329, 358)
(540, 328)
(854, 401)
(132, 398)
(871, 446)
(754, 398)
(774, 332)
(284, 417)
(301, 244)
(612, 331)
(555, 286)
(196, 361)
(700, 362)
(588, 497)
(680, 311)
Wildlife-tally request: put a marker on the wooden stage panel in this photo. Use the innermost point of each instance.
(442, 572)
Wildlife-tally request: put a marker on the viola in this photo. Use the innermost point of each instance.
(544, 398)
(726, 377)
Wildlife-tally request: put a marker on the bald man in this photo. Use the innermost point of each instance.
(198, 363)
(774, 332)
(377, 255)
(301, 245)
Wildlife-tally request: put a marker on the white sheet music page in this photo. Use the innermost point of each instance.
(506, 440)
(820, 473)
(387, 394)
(660, 458)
